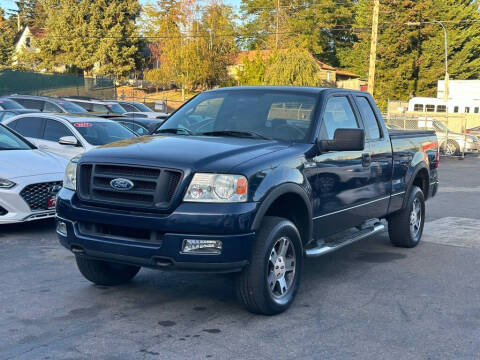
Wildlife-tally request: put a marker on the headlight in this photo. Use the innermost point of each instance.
(70, 178)
(6, 184)
(217, 188)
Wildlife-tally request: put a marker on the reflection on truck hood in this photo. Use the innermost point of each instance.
(185, 152)
(20, 163)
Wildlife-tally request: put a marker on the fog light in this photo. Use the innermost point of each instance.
(61, 228)
(208, 247)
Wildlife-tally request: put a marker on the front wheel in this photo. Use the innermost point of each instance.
(406, 227)
(268, 285)
(106, 273)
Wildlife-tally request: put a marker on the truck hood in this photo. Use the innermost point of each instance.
(204, 153)
(21, 163)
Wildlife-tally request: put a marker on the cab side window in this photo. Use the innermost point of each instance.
(30, 127)
(128, 107)
(54, 130)
(338, 115)
(49, 107)
(370, 120)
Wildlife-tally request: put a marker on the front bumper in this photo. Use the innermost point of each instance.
(17, 210)
(225, 222)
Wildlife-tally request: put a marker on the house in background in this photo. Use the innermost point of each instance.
(330, 75)
(26, 43)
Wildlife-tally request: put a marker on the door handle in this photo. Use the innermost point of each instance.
(366, 159)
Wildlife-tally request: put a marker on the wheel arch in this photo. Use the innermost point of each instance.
(420, 178)
(289, 201)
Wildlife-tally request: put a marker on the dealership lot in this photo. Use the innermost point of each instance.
(367, 301)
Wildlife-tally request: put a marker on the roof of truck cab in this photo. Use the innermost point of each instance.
(298, 89)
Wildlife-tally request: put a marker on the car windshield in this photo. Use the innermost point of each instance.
(142, 107)
(267, 114)
(72, 108)
(100, 133)
(7, 104)
(115, 108)
(10, 141)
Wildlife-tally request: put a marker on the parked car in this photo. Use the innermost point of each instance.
(7, 104)
(137, 109)
(101, 108)
(453, 143)
(140, 126)
(240, 180)
(68, 135)
(7, 114)
(29, 179)
(475, 131)
(47, 104)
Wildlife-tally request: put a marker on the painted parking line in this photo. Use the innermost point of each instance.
(453, 231)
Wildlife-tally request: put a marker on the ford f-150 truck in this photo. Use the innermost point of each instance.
(248, 180)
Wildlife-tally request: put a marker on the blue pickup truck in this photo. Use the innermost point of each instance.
(248, 180)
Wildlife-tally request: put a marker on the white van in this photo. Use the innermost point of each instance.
(434, 105)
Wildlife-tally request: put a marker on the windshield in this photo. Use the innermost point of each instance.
(7, 104)
(142, 107)
(10, 141)
(72, 108)
(115, 108)
(280, 115)
(101, 133)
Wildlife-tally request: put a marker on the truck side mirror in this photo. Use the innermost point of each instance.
(344, 140)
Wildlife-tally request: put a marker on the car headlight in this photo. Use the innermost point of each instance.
(219, 188)
(70, 178)
(6, 184)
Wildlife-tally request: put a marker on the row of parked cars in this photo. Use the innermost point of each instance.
(38, 135)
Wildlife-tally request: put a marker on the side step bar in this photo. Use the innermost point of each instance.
(326, 248)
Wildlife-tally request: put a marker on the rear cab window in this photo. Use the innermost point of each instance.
(372, 127)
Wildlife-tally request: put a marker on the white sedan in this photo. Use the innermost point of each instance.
(29, 179)
(67, 135)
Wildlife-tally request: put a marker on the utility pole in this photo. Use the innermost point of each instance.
(277, 14)
(373, 47)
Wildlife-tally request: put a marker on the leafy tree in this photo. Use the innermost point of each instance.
(94, 35)
(320, 26)
(253, 71)
(6, 41)
(410, 58)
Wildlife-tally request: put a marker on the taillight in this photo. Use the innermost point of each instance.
(467, 131)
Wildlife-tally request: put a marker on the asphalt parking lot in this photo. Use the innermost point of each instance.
(367, 301)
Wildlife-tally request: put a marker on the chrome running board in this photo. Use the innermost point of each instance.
(326, 248)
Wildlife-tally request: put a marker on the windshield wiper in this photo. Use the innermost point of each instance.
(235, 133)
(173, 131)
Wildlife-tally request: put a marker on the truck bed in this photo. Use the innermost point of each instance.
(411, 133)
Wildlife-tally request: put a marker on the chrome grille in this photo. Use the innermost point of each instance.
(154, 188)
(37, 195)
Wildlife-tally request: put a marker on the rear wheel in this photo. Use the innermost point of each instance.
(268, 285)
(106, 273)
(406, 227)
(451, 148)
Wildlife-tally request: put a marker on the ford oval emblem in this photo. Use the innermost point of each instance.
(122, 184)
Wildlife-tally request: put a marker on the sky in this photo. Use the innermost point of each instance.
(10, 4)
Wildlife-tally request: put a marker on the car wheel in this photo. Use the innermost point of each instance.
(451, 148)
(406, 227)
(106, 273)
(268, 285)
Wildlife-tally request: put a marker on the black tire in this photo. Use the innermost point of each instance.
(106, 273)
(450, 148)
(399, 223)
(252, 285)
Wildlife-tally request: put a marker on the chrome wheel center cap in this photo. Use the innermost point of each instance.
(279, 267)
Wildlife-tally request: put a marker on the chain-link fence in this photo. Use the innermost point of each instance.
(457, 134)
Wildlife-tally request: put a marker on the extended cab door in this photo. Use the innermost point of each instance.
(339, 179)
(379, 149)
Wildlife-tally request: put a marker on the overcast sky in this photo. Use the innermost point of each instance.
(9, 4)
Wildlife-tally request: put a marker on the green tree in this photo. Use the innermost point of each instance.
(410, 58)
(293, 67)
(320, 26)
(6, 41)
(96, 35)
